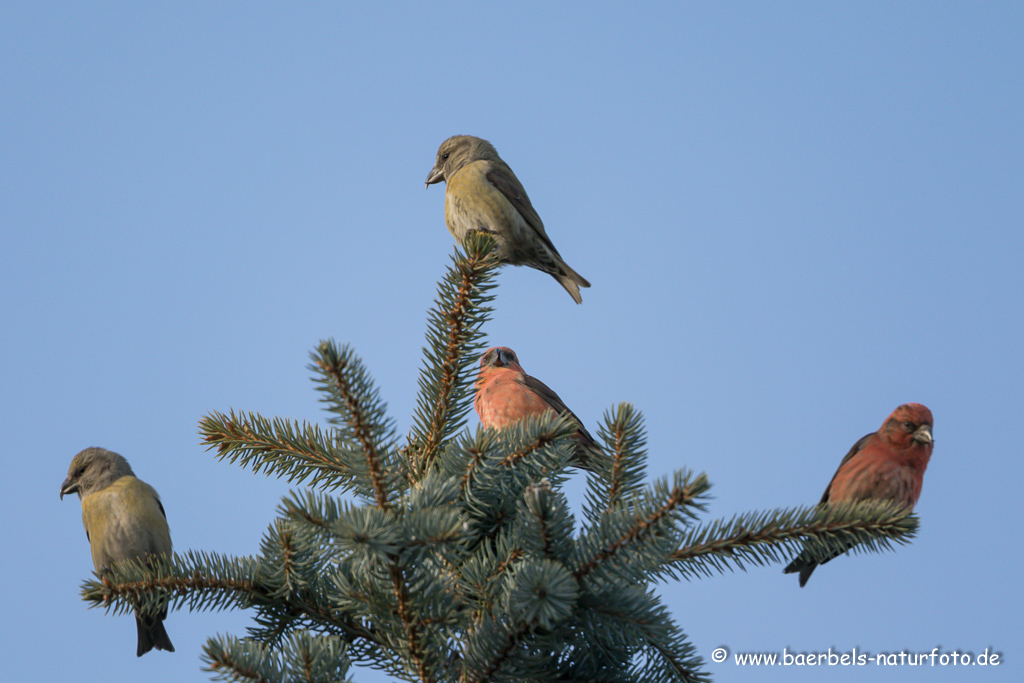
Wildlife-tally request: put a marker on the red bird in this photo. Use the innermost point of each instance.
(505, 394)
(885, 465)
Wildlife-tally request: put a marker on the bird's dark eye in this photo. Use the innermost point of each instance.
(445, 156)
(909, 426)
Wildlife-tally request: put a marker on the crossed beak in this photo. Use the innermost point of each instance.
(923, 434)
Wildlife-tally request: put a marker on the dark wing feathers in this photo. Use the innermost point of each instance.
(552, 399)
(857, 448)
(502, 177)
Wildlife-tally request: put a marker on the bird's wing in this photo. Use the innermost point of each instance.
(857, 448)
(501, 176)
(551, 398)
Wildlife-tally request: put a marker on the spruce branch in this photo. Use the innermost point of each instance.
(489, 647)
(232, 659)
(373, 535)
(359, 414)
(776, 535)
(628, 543)
(205, 581)
(388, 558)
(288, 449)
(623, 467)
(541, 593)
(530, 448)
(522, 453)
(638, 611)
(454, 343)
(465, 458)
(461, 560)
(413, 646)
(296, 452)
(481, 577)
(544, 520)
(314, 508)
(304, 657)
(199, 580)
(533, 436)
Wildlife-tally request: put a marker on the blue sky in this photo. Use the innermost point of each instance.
(795, 216)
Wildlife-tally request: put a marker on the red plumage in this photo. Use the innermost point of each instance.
(505, 394)
(885, 465)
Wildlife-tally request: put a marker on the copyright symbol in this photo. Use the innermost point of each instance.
(719, 654)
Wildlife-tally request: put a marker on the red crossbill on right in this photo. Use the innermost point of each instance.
(505, 394)
(483, 194)
(885, 465)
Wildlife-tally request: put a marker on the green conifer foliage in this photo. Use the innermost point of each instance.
(451, 554)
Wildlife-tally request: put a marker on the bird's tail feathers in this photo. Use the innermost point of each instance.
(152, 634)
(570, 286)
(573, 275)
(571, 280)
(804, 566)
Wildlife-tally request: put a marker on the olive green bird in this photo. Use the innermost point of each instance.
(123, 520)
(483, 194)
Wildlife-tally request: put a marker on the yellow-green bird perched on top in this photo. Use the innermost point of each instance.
(124, 520)
(484, 194)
